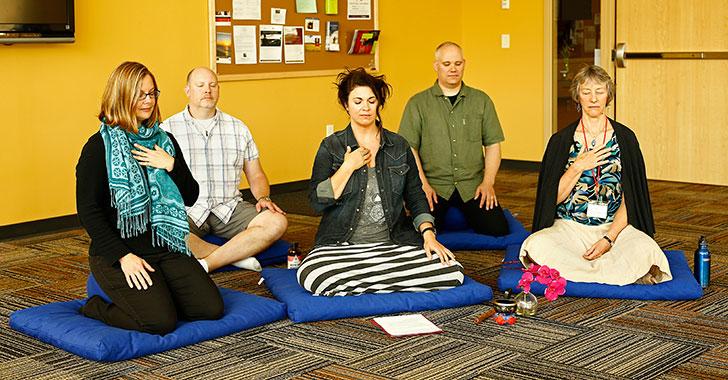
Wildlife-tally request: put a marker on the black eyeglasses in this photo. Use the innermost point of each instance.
(151, 94)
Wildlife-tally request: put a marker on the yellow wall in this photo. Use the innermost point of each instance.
(512, 77)
(53, 90)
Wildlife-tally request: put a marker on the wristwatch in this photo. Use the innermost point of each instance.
(264, 198)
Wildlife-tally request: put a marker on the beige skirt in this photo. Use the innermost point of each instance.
(634, 258)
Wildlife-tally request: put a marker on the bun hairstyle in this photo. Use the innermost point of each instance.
(348, 80)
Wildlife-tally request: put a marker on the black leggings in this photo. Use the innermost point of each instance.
(486, 222)
(180, 290)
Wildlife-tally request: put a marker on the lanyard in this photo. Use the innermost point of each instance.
(586, 144)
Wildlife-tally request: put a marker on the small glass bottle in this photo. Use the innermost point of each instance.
(526, 304)
(294, 256)
(701, 263)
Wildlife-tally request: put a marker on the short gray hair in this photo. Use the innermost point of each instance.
(596, 74)
(446, 44)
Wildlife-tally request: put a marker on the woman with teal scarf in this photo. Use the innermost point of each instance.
(132, 186)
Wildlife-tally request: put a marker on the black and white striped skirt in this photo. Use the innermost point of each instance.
(340, 270)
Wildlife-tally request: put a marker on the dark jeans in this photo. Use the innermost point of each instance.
(180, 290)
(486, 222)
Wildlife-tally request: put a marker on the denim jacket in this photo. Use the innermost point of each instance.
(399, 184)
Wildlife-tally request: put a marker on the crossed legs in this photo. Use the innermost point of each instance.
(262, 231)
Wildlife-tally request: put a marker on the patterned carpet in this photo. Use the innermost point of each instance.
(570, 338)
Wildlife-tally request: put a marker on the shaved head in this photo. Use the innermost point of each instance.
(444, 45)
(201, 68)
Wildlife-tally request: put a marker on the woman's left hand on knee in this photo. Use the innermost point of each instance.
(597, 250)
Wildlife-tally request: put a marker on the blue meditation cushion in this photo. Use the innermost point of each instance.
(305, 307)
(458, 236)
(682, 286)
(275, 254)
(62, 325)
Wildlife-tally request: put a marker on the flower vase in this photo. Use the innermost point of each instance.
(526, 304)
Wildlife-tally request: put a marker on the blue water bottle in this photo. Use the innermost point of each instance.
(701, 263)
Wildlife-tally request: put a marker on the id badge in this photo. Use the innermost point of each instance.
(596, 210)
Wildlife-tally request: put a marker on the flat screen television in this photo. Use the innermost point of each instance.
(36, 21)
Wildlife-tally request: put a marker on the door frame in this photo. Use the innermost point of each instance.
(607, 42)
(549, 69)
(607, 25)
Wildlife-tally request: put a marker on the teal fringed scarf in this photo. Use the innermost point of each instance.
(137, 196)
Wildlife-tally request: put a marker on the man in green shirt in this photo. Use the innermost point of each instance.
(447, 127)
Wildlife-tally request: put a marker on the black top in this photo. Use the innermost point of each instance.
(634, 179)
(399, 184)
(93, 202)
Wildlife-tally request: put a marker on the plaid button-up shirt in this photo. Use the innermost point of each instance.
(216, 161)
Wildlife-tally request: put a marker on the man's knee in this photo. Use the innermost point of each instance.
(492, 227)
(273, 222)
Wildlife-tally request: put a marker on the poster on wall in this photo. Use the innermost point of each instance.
(293, 44)
(358, 9)
(331, 7)
(332, 36)
(306, 6)
(223, 47)
(245, 47)
(313, 42)
(277, 16)
(311, 24)
(222, 18)
(271, 43)
(246, 9)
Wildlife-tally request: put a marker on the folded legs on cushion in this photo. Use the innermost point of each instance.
(631, 259)
(485, 222)
(180, 288)
(375, 268)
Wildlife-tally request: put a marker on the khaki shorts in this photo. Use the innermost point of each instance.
(240, 219)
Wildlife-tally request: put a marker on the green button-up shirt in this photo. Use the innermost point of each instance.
(450, 138)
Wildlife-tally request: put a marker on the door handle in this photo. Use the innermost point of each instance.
(620, 54)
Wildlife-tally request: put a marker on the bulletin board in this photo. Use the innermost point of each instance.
(316, 63)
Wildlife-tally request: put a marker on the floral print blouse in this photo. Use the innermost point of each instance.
(610, 188)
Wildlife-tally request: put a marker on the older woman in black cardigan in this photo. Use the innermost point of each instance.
(593, 220)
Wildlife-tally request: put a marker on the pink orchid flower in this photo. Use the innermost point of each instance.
(555, 284)
(533, 269)
(554, 273)
(550, 294)
(544, 271)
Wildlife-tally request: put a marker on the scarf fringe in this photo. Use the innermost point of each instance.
(129, 225)
(161, 237)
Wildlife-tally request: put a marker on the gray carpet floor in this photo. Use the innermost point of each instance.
(571, 338)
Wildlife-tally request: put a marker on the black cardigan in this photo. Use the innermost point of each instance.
(634, 179)
(93, 202)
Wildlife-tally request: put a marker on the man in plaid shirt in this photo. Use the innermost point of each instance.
(218, 149)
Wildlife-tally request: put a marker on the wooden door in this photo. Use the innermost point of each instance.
(677, 107)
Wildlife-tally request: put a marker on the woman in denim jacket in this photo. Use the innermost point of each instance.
(362, 179)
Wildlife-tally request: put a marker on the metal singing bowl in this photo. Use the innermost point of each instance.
(506, 306)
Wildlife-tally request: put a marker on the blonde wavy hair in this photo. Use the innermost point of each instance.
(120, 97)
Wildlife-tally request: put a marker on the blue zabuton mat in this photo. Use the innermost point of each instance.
(275, 254)
(305, 307)
(62, 325)
(682, 286)
(458, 236)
